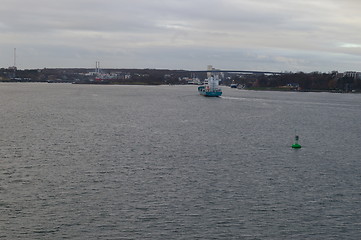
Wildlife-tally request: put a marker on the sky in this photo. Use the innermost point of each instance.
(257, 35)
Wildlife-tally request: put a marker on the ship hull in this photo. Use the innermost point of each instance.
(202, 91)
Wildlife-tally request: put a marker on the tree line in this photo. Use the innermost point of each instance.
(314, 81)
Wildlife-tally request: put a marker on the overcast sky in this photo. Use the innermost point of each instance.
(277, 35)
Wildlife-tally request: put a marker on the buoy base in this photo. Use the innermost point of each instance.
(296, 145)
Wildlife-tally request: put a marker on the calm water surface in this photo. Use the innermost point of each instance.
(162, 162)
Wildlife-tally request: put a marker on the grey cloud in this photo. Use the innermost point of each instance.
(288, 32)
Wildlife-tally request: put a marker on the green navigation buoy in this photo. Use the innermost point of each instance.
(296, 145)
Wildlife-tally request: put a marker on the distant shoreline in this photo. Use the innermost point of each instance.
(306, 82)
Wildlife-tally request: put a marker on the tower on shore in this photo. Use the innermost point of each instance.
(97, 67)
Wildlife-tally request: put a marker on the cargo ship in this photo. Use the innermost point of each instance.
(210, 88)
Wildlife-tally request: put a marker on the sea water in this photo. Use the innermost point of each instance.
(162, 162)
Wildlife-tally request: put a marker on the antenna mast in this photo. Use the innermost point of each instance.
(14, 58)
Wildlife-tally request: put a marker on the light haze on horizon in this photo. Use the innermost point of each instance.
(278, 35)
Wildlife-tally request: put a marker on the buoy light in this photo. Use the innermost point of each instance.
(296, 145)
